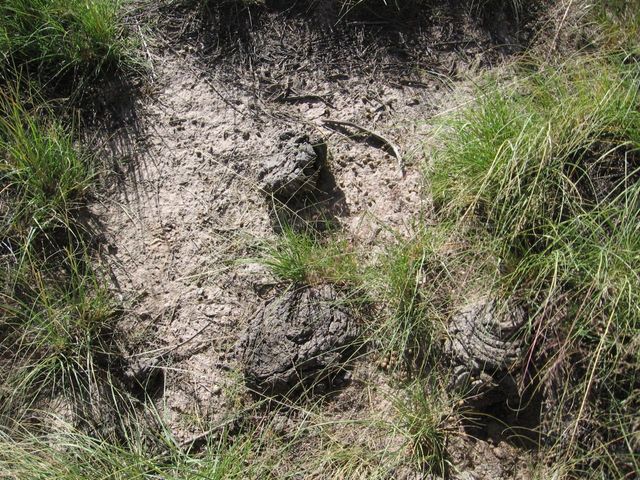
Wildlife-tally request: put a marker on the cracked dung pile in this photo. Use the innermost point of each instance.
(207, 152)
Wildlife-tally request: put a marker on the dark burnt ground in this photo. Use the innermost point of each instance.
(319, 38)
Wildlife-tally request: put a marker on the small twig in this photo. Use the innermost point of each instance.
(564, 17)
(442, 77)
(390, 145)
(413, 83)
(164, 351)
(304, 97)
(146, 49)
(191, 441)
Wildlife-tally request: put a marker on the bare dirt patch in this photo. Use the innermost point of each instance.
(185, 209)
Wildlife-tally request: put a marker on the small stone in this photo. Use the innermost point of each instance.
(500, 452)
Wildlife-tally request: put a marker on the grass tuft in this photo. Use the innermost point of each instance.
(413, 280)
(425, 416)
(619, 24)
(73, 455)
(546, 174)
(56, 40)
(56, 315)
(42, 173)
(305, 257)
(55, 312)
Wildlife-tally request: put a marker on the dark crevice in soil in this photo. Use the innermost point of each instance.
(518, 425)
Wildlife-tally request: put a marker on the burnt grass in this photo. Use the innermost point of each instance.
(320, 37)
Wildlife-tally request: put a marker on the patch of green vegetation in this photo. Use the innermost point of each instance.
(56, 316)
(425, 420)
(397, 280)
(72, 455)
(61, 39)
(56, 313)
(619, 22)
(545, 172)
(553, 147)
(42, 173)
(305, 257)
(54, 310)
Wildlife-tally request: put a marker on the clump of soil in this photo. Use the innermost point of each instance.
(302, 338)
(294, 169)
(484, 344)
